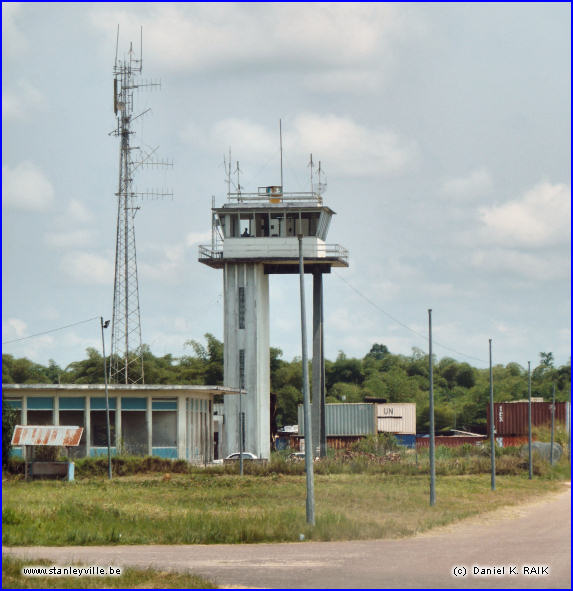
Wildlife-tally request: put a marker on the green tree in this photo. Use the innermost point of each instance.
(378, 351)
(8, 423)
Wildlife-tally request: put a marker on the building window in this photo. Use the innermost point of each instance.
(134, 426)
(242, 369)
(98, 423)
(164, 422)
(40, 411)
(241, 307)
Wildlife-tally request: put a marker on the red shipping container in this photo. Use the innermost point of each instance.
(449, 441)
(511, 418)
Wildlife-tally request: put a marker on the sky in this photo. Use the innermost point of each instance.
(443, 130)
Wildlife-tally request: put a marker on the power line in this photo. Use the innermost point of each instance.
(422, 336)
(39, 334)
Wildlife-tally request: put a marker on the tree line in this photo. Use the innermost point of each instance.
(461, 391)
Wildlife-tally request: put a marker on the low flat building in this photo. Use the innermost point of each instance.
(166, 421)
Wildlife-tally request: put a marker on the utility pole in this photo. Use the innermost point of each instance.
(529, 419)
(432, 426)
(491, 422)
(308, 449)
(552, 426)
(105, 325)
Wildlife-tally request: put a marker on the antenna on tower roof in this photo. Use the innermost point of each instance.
(238, 172)
(311, 165)
(321, 185)
(281, 147)
(116, 44)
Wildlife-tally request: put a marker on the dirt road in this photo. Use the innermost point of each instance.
(528, 546)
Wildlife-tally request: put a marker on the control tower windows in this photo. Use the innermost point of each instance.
(262, 224)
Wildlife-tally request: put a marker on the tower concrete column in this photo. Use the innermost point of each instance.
(247, 357)
(317, 362)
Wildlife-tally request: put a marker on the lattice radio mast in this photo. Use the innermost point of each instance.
(126, 360)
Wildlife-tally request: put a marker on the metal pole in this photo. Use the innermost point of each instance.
(552, 426)
(432, 426)
(308, 450)
(529, 419)
(569, 426)
(323, 441)
(281, 148)
(241, 432)
(491, 421)
(105, 325)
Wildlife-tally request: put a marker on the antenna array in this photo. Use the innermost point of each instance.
(126, 360)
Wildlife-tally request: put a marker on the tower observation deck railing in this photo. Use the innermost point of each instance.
(325, 251)
(275, 194)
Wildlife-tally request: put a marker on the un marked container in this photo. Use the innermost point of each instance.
(344, 419)
(396, 417)
(511, 418)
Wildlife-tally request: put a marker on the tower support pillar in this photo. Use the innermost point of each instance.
(318, 418)
(247, 357)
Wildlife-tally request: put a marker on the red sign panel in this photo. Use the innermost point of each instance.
(47, 435)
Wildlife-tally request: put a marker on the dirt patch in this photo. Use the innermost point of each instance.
(495, 516)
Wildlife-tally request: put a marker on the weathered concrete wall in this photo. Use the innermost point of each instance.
(254, 340)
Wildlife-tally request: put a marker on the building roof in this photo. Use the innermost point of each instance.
(163, 388)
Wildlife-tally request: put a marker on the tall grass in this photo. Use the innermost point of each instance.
(130, 578)
(200, 508)
(370, 456)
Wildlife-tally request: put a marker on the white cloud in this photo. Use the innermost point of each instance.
(17, 103)
(353, 81)
(70, 239)
(168, 263)
(13, 40)
(339, 142)
(352, 148)
(26, 187)
(540, 218)
(13, 328)
(266, 35)
(88, 268)
(531, 265)
(77, 212)
(194, 238)
(475, 184)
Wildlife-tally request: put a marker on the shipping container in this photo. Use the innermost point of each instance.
(512, 440)
(396, 417)
(423, 442)
(511, 418)
(406, 440)
(345, 419)
(334, 442)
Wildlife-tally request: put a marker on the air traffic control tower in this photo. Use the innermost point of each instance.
(256, 235)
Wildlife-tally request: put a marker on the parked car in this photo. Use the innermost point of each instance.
(247, 455)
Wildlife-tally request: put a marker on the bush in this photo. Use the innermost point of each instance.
(378, 445)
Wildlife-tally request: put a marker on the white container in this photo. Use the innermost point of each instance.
(396, 417)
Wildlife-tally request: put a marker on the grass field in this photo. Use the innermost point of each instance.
(207, 509)
(130, 578)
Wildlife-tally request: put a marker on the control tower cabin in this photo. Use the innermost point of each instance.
(256, 235)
